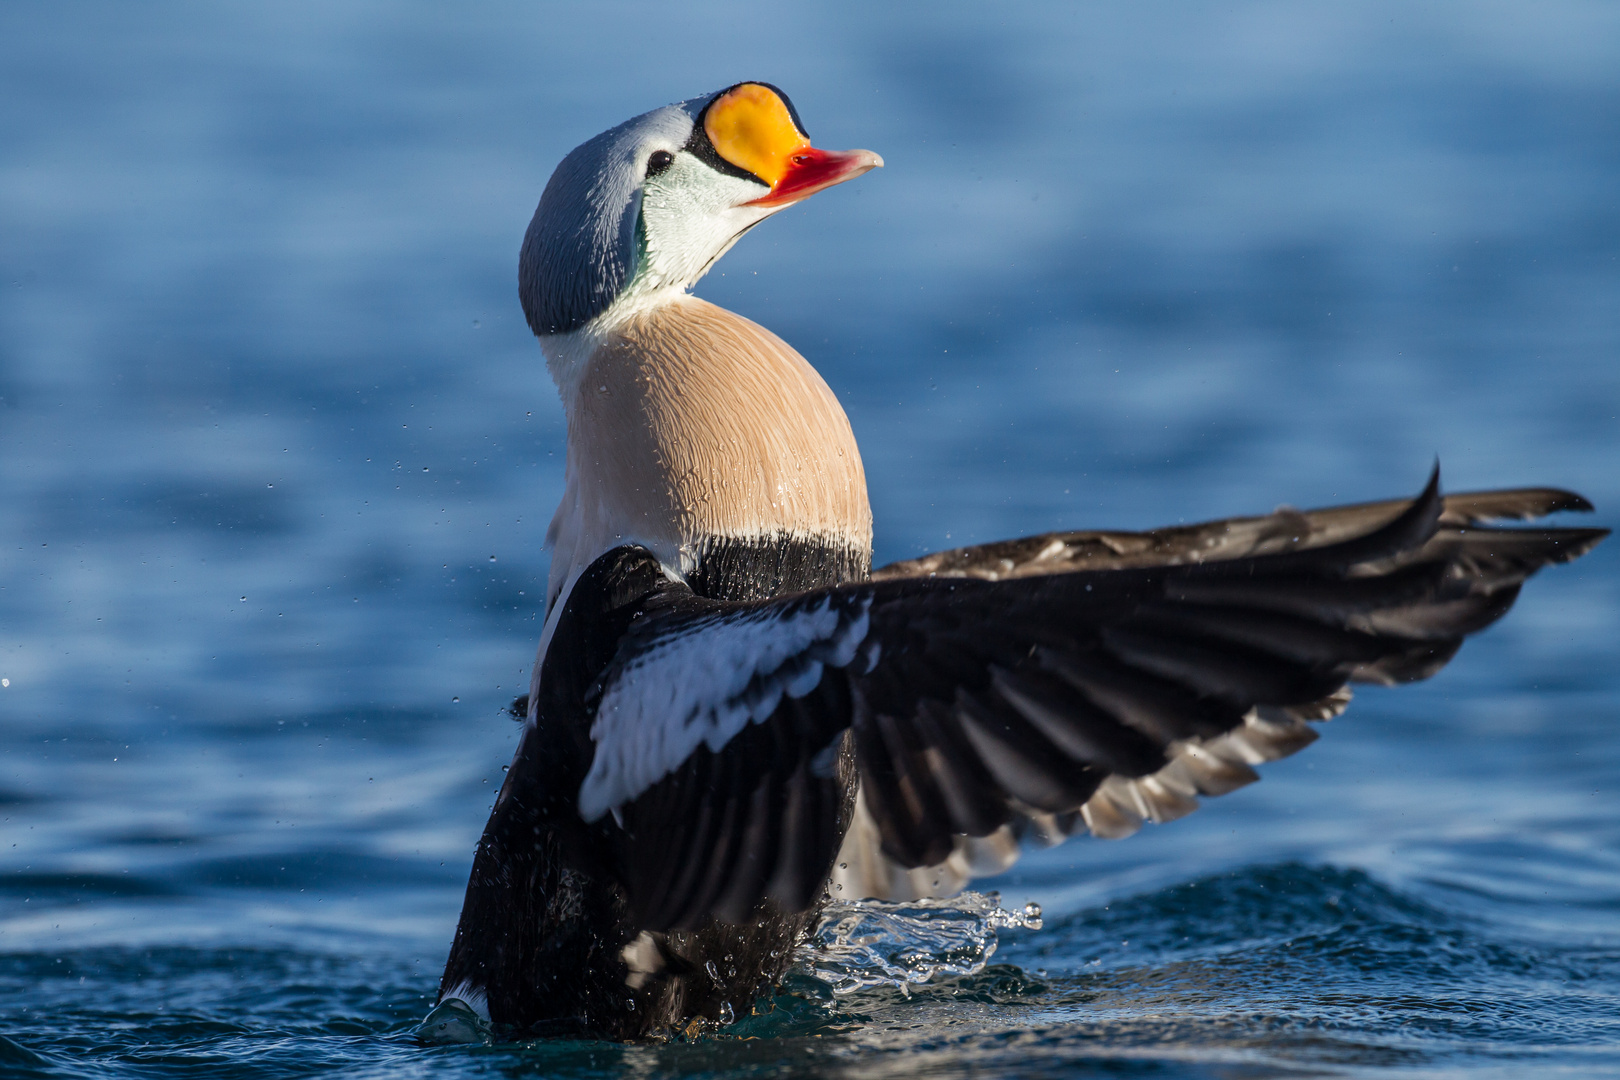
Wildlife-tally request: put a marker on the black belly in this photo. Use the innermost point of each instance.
(544, 926)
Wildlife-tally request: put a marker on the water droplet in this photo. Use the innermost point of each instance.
(492, 558)
(244, 599)
(726, 1015)
(455, 701)
(843, 866)
(631, 1004)
(714, 972)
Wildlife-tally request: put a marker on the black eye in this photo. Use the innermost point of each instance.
(660, 160)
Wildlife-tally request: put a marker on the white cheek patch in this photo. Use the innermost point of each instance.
(691, 215)
(702, 685)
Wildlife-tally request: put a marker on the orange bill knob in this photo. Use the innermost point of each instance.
(753, 128)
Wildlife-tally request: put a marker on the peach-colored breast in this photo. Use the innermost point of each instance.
(693, 423)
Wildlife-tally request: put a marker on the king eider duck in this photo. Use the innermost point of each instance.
(732, 716)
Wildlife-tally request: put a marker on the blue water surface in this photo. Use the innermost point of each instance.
(277, 454)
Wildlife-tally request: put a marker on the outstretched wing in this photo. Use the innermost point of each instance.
(1286, 529)
(984, 696)
(1494, 562)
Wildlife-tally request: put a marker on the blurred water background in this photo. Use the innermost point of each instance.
(277, 453)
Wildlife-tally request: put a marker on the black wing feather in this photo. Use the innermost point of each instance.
(1017, 679)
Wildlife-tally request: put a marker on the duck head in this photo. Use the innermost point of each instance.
(640, 212)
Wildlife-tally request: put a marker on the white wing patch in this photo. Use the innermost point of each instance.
(704, 684)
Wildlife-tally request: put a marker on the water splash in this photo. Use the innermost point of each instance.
(866, 943)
